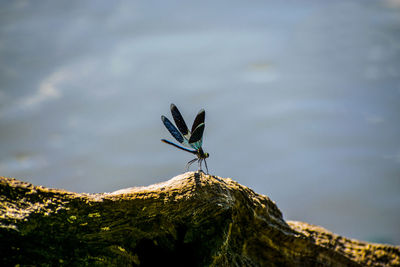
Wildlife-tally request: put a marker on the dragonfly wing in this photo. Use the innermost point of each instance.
(196, 139)
(179, 121)
(172, 129)
(199, 119)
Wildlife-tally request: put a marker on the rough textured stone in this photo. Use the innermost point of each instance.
(191, 220)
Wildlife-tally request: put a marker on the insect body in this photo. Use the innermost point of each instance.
(191, 139)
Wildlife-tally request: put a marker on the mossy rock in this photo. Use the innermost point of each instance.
(191, 220)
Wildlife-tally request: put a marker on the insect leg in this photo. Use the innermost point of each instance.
(189, 163)
(205, 163)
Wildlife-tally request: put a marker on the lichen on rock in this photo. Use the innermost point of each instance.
(193, 219)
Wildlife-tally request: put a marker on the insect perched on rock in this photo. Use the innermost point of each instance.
(192, 139)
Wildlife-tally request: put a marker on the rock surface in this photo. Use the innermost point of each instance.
(191, 220)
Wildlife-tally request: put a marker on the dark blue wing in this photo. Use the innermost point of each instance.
(196, 139)
(172, 129)
(179, 121)
(199, 119)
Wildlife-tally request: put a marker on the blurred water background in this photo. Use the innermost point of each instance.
(302, 100)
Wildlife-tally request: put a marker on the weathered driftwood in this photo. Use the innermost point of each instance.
(191, 220)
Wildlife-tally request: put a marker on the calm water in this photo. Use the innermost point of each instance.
(302, 100)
